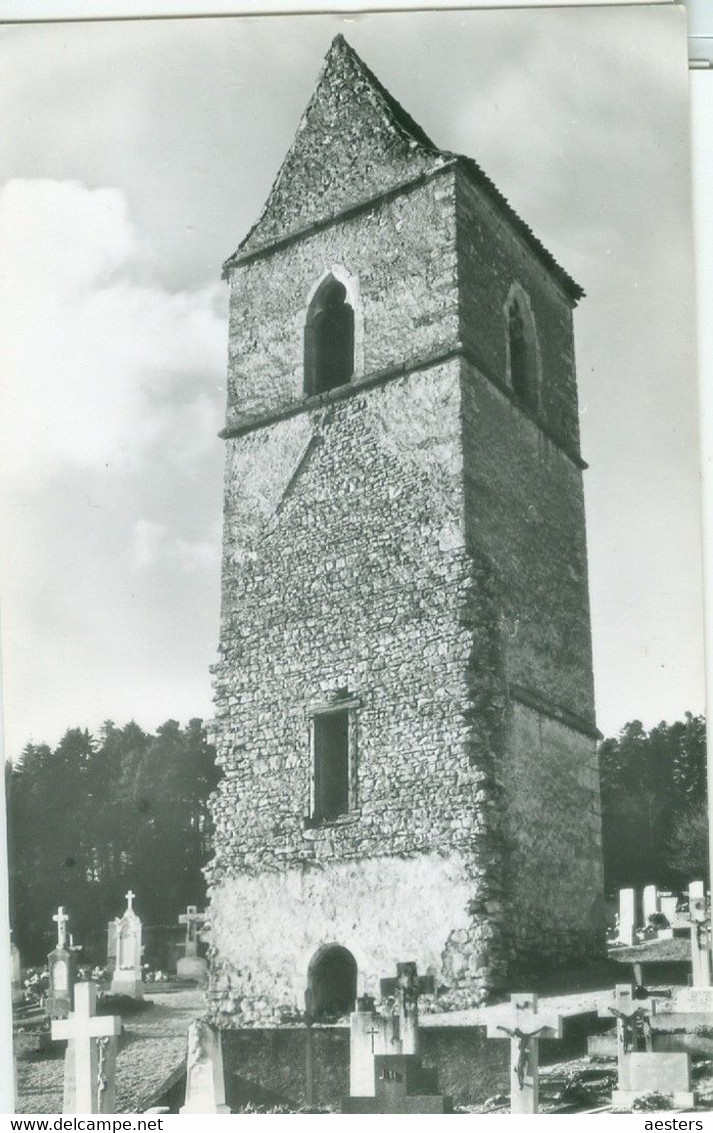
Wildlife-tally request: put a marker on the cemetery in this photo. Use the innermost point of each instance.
(113, 1040)
(403, 865)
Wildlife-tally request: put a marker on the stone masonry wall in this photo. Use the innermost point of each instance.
(413, 543)
(402, 260)
(345, 570)
(491, 257)
(525, 513)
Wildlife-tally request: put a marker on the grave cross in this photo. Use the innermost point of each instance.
(406, 987)
(633, 1028)
(374, 1031)
(407, 984)
(85, 1028)
(130, 899)
(700, 935)
(61, 918)
(191, 919)
(524, 1026)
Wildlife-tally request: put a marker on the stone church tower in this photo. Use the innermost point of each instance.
(404, 704)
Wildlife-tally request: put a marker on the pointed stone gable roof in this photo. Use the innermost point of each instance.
(356, 142)
(353, 142)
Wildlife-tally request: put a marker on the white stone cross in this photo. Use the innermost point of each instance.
(130, 899)
(524, 1026)
(700, 942)
(61, 918)
(84, 1028)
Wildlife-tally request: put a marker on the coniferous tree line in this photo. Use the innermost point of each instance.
(97, 815)
(654, 805)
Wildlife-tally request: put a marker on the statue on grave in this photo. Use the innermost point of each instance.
(523, 1062)
(634, 1028)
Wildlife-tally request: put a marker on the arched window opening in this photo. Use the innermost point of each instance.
(522, 377)
(329, 339)
(332, 982)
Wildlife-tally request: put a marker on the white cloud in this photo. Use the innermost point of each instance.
(110, 466)
(146, 543)
(99, 358)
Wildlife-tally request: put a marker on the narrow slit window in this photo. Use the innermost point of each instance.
(331, 765)
(519, 360)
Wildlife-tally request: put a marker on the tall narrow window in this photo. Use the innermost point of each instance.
(329, 339)
(331, 765)
(521, 376)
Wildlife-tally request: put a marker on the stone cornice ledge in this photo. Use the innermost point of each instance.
(382, 377)
(532, 699)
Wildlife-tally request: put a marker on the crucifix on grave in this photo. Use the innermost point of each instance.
(406, 987)
(524, 1025)
(191, 966)
(633, 1028)
(700, 935)
(90, 1061)
(640, 1069)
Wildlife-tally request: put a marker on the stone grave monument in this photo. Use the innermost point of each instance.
(18, 994)
(385, 1071)
(524, 1026)
(669, 906)
(640, 1069)
(650, 903)
(370, 1033)
(205, 1082)
(627, 915)
(191, 966)
(700, 935)
(126, 979)
(61, 968)
(403, 1085)
(90, 1059)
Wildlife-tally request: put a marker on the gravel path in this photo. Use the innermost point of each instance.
(151, 1047)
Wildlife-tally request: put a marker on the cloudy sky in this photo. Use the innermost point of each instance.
(135, 157)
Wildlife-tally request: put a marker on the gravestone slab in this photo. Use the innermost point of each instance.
(650, 902)
(403, 1085)
(370, 1034)
(669, 906)
(205, 1080)
(659, 1073)
(111, 945)
(627, 915)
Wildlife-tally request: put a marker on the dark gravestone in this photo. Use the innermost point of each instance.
(403, 1085)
